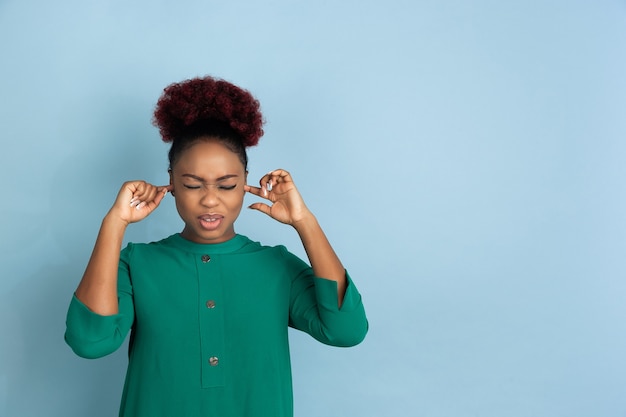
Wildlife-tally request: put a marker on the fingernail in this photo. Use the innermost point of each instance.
(140, 205)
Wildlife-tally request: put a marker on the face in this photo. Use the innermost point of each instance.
(208, 181)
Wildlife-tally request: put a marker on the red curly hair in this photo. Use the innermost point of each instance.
(200, 100)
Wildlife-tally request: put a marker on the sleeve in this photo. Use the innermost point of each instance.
(314, 307)
(91, 335)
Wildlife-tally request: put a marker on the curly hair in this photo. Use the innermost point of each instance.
(196, 100)
(208, 106)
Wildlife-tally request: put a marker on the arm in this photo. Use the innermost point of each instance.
(313, 306)
(288, 207)
(98, 288)
(322, 257)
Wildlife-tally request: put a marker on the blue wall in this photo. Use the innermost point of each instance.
(467, 159)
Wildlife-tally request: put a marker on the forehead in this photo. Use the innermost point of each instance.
(208, 159)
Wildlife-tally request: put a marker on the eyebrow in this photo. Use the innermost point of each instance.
(222, 178)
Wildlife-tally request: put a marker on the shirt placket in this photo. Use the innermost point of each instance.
(211, 320)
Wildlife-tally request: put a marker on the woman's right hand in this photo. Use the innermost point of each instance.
(136, 200)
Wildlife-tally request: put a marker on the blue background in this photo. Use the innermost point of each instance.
(466, 158)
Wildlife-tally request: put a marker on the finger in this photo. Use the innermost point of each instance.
(151, 202)
(252, 190)
(264, 180)
(262, 191)
(263, 208)
(272, 175)
(259, 192)
(136, 190)
(140, 189)
(276, 177)
(159, 197)
(271, 179)
(148, 193)
(279, 174)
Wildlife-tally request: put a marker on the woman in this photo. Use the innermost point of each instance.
(208, 309)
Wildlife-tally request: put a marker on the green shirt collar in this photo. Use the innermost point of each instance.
(232, 245)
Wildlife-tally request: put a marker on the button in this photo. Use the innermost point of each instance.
(210, 304)
(205, 258)
(213, 360)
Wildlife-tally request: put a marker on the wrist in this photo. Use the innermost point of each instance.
(114, 221)
(305, 223)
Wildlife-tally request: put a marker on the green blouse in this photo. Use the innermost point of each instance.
(209, 326)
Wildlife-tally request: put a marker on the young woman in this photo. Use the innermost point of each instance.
(208, 309)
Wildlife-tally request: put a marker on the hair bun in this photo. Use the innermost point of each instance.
(198, 100)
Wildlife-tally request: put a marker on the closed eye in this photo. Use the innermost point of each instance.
(220, 187)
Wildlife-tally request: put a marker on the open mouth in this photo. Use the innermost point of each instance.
(211, 221)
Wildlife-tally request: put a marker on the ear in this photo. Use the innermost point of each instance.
(245, 182)
(169, 171)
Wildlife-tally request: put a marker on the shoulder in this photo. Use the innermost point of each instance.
(249, 246)
(163, 243)
(132, 250)
(268, 254)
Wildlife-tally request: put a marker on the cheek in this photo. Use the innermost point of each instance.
(183, 201)
(235, 200)
(238, 200)
(179, 204)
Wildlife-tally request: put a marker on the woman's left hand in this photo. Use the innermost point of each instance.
(287, 204)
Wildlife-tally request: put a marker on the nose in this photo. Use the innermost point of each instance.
(210, 197)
